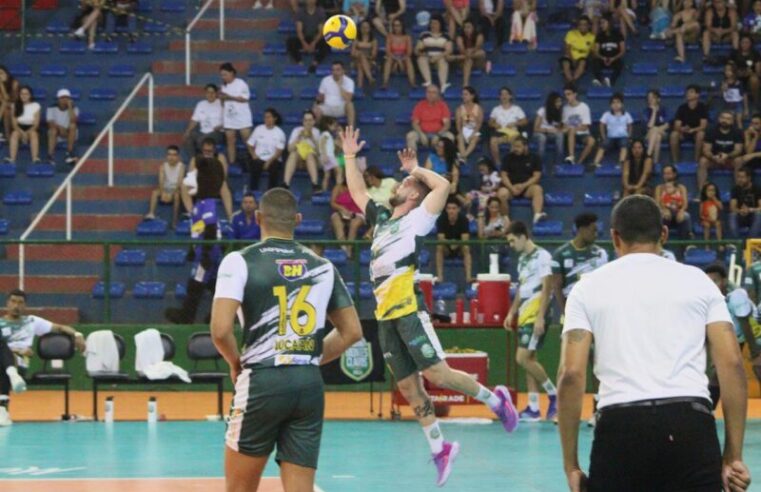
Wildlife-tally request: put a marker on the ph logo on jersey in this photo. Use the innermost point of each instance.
(292, 269)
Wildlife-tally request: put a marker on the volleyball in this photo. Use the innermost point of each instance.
(339, 31)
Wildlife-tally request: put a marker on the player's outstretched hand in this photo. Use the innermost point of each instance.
(350, 141)
(408, 158)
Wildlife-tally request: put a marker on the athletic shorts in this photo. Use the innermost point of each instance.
(409, 344)
(333, 110)
(525, 333)
(278, 406)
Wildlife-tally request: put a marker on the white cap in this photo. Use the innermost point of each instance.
(63, 93)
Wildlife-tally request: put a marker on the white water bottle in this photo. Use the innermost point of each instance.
(152, 410)
(109, 410)
(493, 263)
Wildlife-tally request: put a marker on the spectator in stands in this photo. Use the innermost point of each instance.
(615, 131)
(9, 88)
(431, 120)
(549, 124)
(577, 119)
(593, 10)
(722, 148)
(720, 24)
(327, 151)
(579, 43)
(433, 48)
(637, 171)
(456, 11)
(386, 12)
(608, 54)
(308, 38)
(657, 123)
(491, 223)
(752, 22)
(523, 24)
(733, 94)
(752, 156)
(364, 52)
(171, 173)
(61, 119)
(236, 116)
(87, 20)
(470, 50)
(491, 19)
(685, 28)
(347, 218)
(244, 224)
(489, 183)
(710, 211)
(625, 16)
(358, 10)
(207, 179)
(505, 121)
(379, 187)
(521, 174)
(747, 61)
(660, 18)
(206, 122)
(398, 54)
(672, 198)
(453, 226)
(745, 205)
(122, 14)
(266, 146)
(690, 122)
(26, 125)
(469, 118)
(443, 160)
(303, 145)
(335, 94)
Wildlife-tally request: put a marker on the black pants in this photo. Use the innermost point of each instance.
(7, 359)
(499, 29)
(293, 45)
(257, 168)
(598, 66)
(669, 448)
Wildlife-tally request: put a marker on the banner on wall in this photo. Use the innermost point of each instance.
(361, 363)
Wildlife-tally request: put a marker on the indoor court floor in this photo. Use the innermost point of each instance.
(357, 456)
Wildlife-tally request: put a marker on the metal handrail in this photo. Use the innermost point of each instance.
(192, 25)
(66, 185)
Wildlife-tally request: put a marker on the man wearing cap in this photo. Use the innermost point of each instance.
(62, 123)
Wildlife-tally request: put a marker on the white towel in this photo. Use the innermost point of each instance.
(149, 358)
(102, 352)
(165, 370)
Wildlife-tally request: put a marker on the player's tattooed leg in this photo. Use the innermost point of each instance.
(424, 410)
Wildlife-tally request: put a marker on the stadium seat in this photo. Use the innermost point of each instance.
(122, 70)
(87, 71)
(445, 290)
(489, 94)
(365, 290)
(139, 48)
(558, 26)
(644, 68)
(17, 198)
(180, 291)
(686, 168)
(569, 171)
(503, 70)
(528, 94)
(173, 6)
(171, 257)
(653, 46)
(260, 71)
(295, 71)
(538, 69)
(103, 94)
(155, 27)
(40, 93)
(699, 257)
(72, 48)
(550, 47)
(279, 94)
(520, 202)
(19, 70)
(608, 171)
(53, 70)
(116, 290)
(154, 227)
(635, 91)
(310, 227)
(234, 171)
(321, 199)
(7, 170)
(548, 228)
(106, 48)
(514, 48)
(559, 199)
(286, 26)
(364, 257)
(392, 144)
(5, 226)
(130, 257)
(57, 26)
(672, 91)
(678, 68)
(712, 69)
(424, 257)
(598, 198)
(337, 256)
(183, 228)
(40, 170)
(274, 49)
(386, 95)
(38, 47)
(86, 119)
(372, 118)
(149, 290)
(599, 93)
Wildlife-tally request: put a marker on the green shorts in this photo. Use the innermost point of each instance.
(525, 333)
(281, 406)
(409, 344)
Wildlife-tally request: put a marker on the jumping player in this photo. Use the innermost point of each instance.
(284, 293)
(409, 342)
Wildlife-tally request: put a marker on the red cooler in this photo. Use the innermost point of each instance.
(425, 281)
(493, 296)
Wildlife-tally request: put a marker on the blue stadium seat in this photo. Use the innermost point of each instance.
(321, 199)
(39, 47)
(699, 257)
(17, 198)
(386, 95)
(173, 6)
(122, 70)
(87, 71)
(644, 68)
(171, 257)
(520, 202)
(130, 257)
(310, 227)
(292, 119)
(559, 199)
(558, 26)
(53, 70)
(424, 258)
(106, 48)
(445, 290)
(7, 170)
(295, 71)
(514, 48)
(416, 94)
(365, 290)
(569, 171)
(180, 291)
(599, 93)
(392, 144)
(286, 26)
(86, 119)
(40, 93)
(528, 94)
(19, 70)
(274, 49)
(57, 26)
(155, 27)
(103, 94)
(149, 290)
(726, 196)
(5, 226)
(372, 118)
(653, 46)
(538, 69)
(279, 94)
(234, 171)
(550, 47)
(548, 228)
(139, 48)
(598, 198)
(152, 228)
(608, 172)
(308, 93)
(260, 71)
(686, 168)
(364, 257)
(116, 290)
(323, 71)
(675, 91)
(678, 68)
(713, 69)
(489, 94)
(635, 91)
(403, 119)
(336, 255)
(40, 171)
(503, 70)
(72, 48)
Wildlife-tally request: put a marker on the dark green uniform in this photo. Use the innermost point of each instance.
(571, 263)
(753, 280)
(285, 292)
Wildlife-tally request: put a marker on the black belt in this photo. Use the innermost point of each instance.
(659, 402)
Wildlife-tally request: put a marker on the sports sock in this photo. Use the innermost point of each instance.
(549, 387)
(533, 401)
(434, 437)
(487, 396)
(11, 371)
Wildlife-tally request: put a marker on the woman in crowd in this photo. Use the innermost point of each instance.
(469, 118)
(637, 171)
(364, 52)
(398, 54)
(26, 125)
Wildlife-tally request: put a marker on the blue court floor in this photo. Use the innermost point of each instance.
(356, 456)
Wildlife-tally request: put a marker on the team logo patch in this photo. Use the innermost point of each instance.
(357, 361)
(427, 351)
(525, 339)
(292, 269)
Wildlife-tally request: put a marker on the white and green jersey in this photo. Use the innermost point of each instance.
(285, 291)
(533, 268)
(19, 334)
(753, 280)
(740, 306)
(395, 248)
(571, 263)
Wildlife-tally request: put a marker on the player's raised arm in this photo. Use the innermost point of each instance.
(436, 200)
(354, 179)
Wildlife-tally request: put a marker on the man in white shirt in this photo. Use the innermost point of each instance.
(206, 122)
(62, 123)
(334, 97)
(577, 118)
(505, 121)
(651, 320)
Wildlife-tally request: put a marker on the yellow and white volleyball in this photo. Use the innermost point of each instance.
(339, 31)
